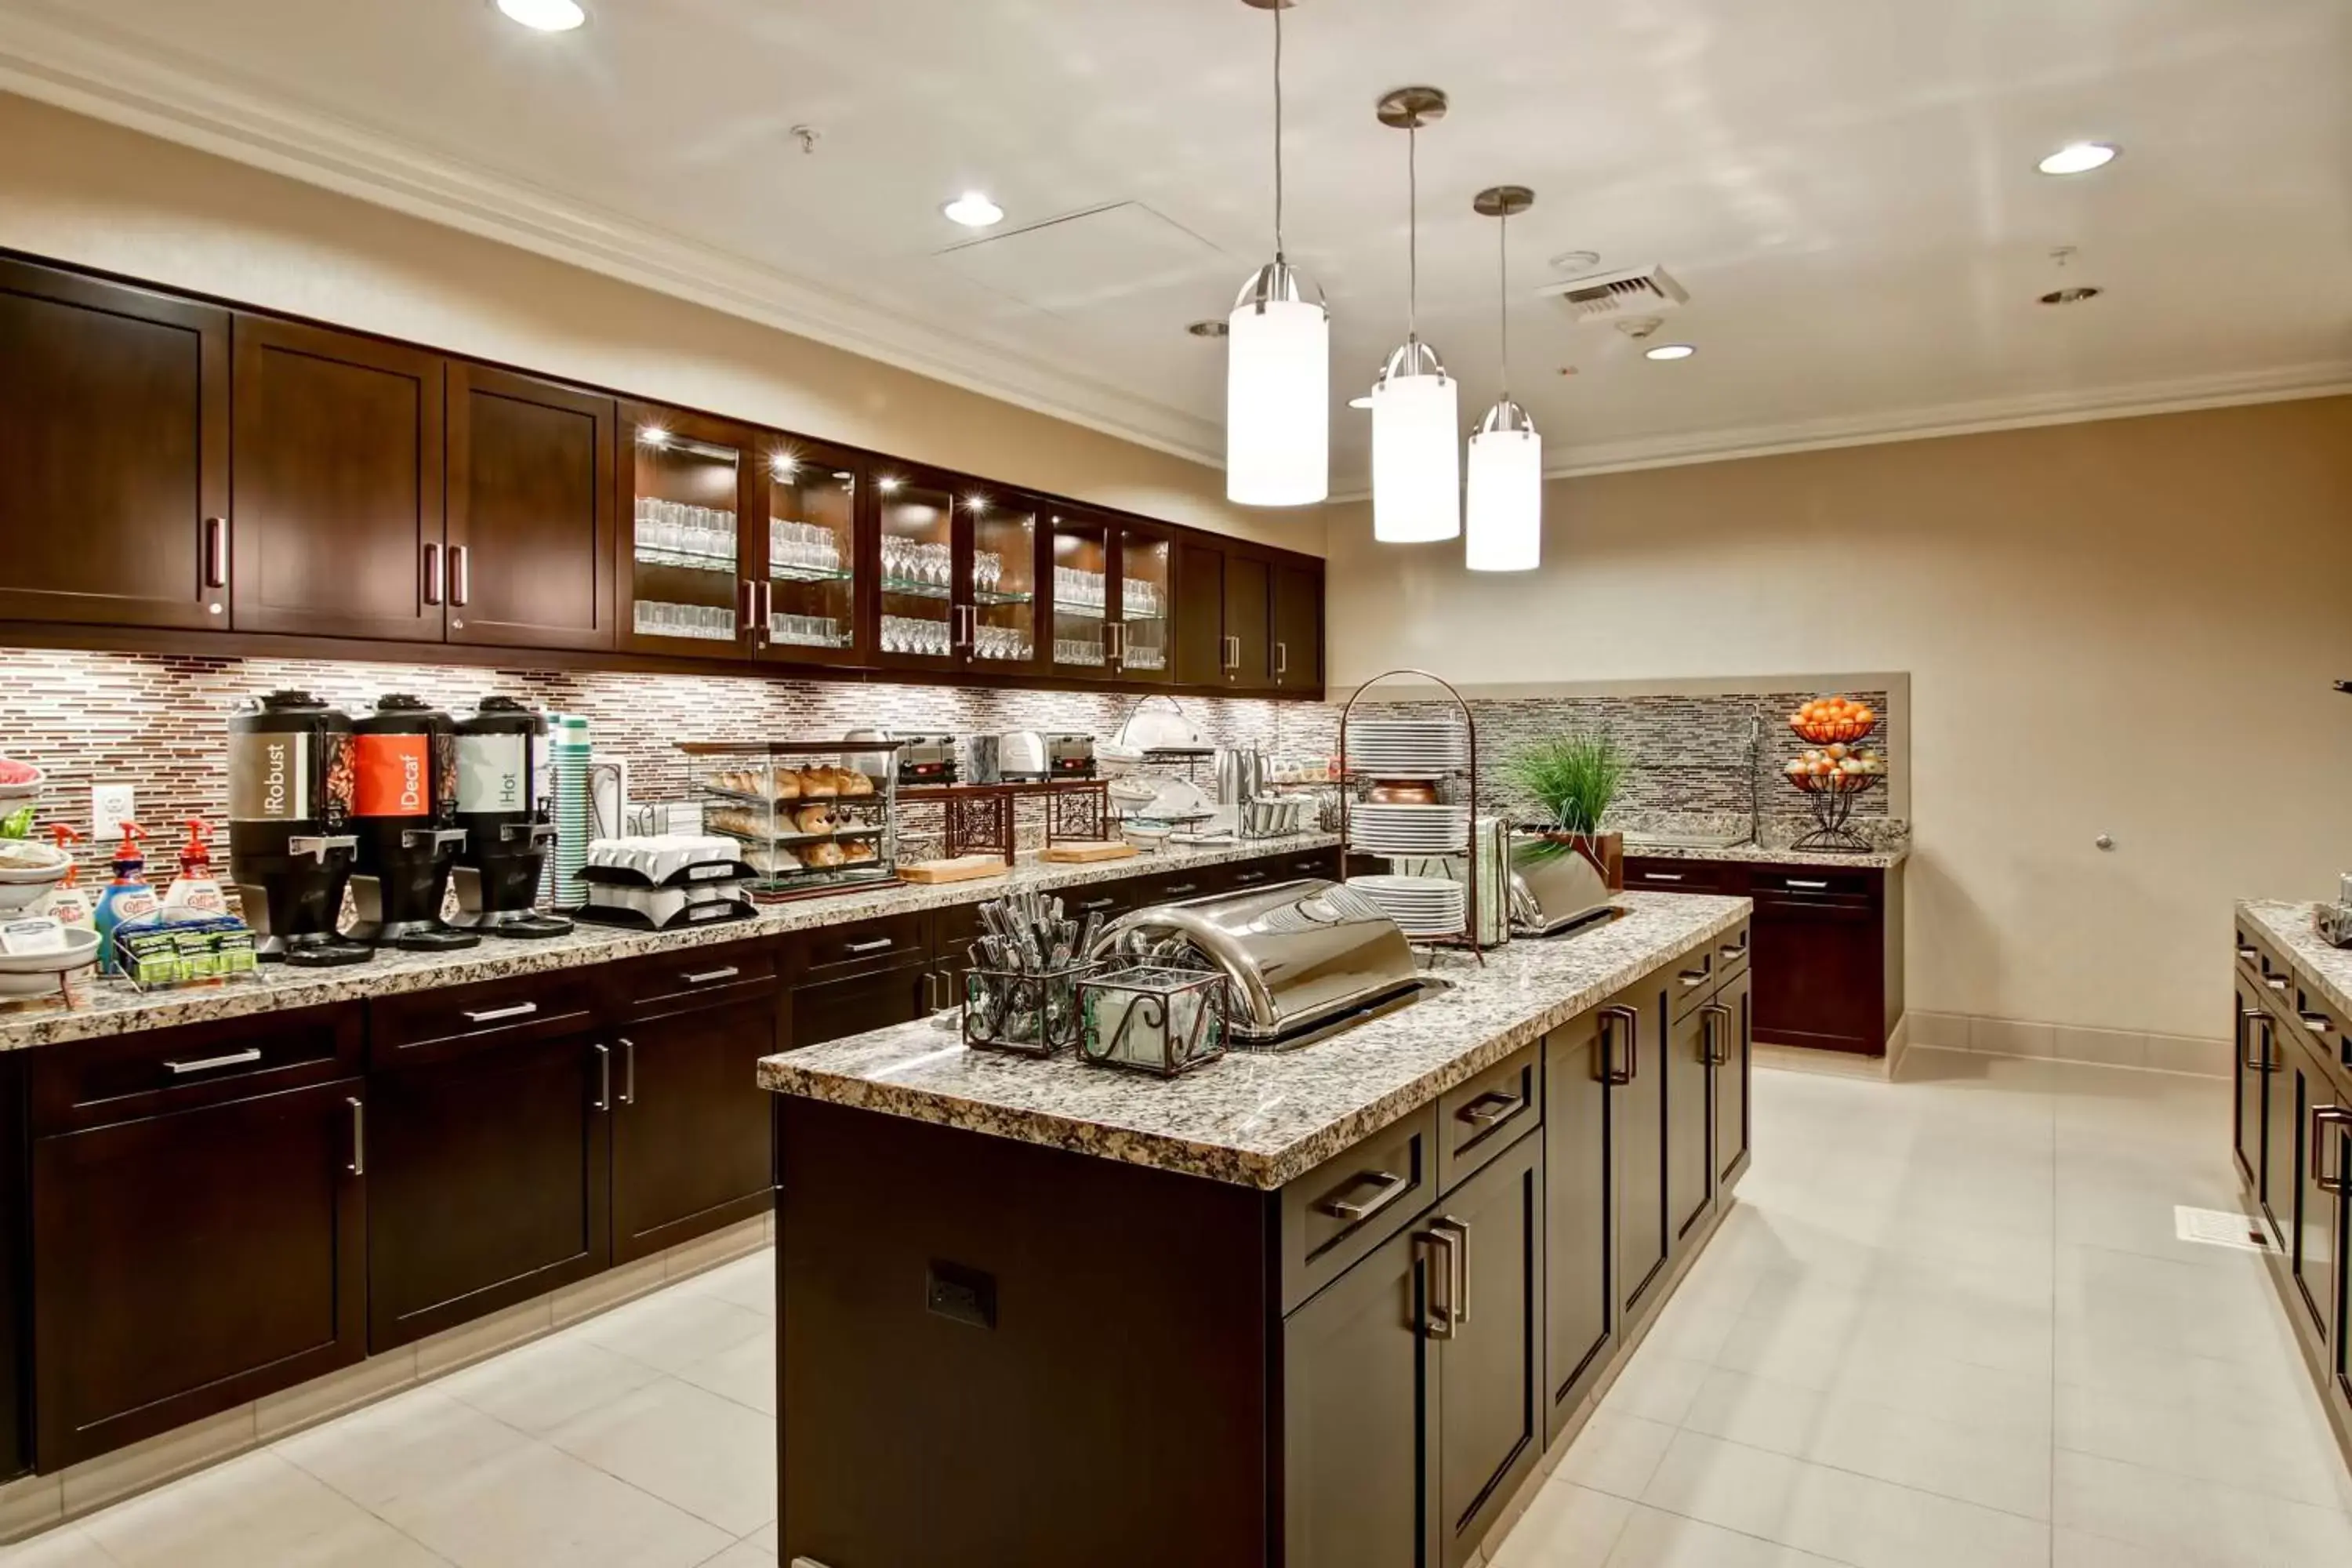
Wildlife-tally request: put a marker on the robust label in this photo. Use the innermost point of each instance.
(269, 776)
(394, 776)
(490, 773)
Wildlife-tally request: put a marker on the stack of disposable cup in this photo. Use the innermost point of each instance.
(574, 818)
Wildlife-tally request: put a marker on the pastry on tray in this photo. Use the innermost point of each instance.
(825, 854)
(816, 783)
(816, 818)
(857, 850)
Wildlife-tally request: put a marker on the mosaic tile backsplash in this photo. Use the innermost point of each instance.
(157, 721)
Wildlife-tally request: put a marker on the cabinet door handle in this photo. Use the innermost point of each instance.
(1281, 659)
(493, 1015)
(432, 573)
(1492, 1108)
(1437, 1323)
(1458, 1295)
(766, 626)
(1711, 1045)
(1610, 1017)
(461, 573)
(708, 976)
(628, 1070)
(1663, 875)
(2249, 1020)
(358, 1166)
(1800, 884)
(1388, 1186)
(215, 553)
(603, 1077)
(2322, 1118)
(206, 1064)
(746, 602)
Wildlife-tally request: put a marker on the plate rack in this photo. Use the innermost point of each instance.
(1462, 781)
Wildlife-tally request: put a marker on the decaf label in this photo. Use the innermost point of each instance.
(394, 776)
(269, 776)
(490, 773)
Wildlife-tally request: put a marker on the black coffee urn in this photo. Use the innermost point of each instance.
(405, 814)
(290, 845)
(504, 782)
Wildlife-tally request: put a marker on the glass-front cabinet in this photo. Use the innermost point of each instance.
(1109, 599)
(808, 589)
(687, 490)
(958, 575)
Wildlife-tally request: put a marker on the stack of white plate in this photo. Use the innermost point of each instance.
(1407, 748)
(1409, 829)
(1420, 906)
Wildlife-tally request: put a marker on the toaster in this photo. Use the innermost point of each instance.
(1070, 756)
(1020, 754)
(926, 760)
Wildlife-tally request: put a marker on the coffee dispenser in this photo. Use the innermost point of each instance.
(505, 786)
(290, 845)
(405, 815)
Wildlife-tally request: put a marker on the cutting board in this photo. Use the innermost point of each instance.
(1088, 849)
(962, 868)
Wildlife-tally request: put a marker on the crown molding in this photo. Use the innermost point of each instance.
(86, 72)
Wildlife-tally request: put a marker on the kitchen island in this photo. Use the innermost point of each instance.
(1319, 1308)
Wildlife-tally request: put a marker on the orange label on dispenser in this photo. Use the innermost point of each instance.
(396, 775)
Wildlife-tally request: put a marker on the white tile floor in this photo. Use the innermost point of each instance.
(644, 1438)
(1950, 1325)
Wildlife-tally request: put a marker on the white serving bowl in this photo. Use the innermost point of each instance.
(25, 789)
(30, 974)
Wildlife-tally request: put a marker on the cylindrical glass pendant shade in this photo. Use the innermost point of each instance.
(1504, 530)
(1416, 450)
(1279, 392)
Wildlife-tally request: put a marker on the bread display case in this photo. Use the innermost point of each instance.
(810, 818)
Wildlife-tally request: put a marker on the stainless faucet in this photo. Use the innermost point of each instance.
(1755, 774)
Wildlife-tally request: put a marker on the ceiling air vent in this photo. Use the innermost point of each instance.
(1643, 291)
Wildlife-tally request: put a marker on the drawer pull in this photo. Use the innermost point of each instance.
(2318, 1023)
(1252, 876)
(706, 976)
(1663, 875)
(2322, 1118)
(1693, 977)
(1389, 1187)
(2275, 982)
(2247, 953)
(1088, 906)
(1800, 884)
(1730, 952)
(1492, 1108)
(877, 945)
(206, 1064)
(495, 1014)
(1179, 891)
(359, 1136)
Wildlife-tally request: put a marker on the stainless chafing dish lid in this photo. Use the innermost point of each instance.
(1296, 953)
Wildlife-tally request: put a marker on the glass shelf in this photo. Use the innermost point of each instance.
(1080, 612)
(685, 560)
(992, 597)
(914, 590)
(789, 573)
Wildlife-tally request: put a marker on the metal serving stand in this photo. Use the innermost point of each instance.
(982, 819)
(1463, 778)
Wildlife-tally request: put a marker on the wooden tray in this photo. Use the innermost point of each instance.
(962, 868)
(1082, 850)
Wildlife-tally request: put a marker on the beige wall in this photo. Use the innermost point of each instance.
(2127, 628)
(82, 191)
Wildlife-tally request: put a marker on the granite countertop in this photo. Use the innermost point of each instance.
(112, 1007)
(2289, 925)
(1763, 855)
(1261, 1118)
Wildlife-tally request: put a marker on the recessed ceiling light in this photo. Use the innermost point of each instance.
(544, 16)
(1362, 401)
(1209, 329)
(2074, 296)
(2079, 158)
(1576, 261)
(1669, 351)
(974, 210)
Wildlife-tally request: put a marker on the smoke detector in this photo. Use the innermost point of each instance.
(1638, 327)
(1637, 291)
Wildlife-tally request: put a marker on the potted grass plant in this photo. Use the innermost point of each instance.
(1573, 779)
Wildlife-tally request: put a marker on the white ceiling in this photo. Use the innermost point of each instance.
(1845, 187)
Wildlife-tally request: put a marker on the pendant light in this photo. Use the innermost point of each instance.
(1416, 420)
(1278, 364)
(1503, 530)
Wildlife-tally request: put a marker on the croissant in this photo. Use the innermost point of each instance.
(825, 854)
(813, 819)
(816, 783)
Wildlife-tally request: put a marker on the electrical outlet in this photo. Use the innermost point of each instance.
(110, 806)
(960, 1295)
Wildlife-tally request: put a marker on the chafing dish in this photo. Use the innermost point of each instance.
(1302, 960)
(1553, 886)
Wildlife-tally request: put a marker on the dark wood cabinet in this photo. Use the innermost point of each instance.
(2282, 1134)
(1225, 617)
(1490, 1361)
(693, 1141)
(690, 513)
(2250, 1081)
(15, 1365)
(489, 1176)
(114, 454)
(815, 584)
(1249, 622)
(1298, 627)
(1579, 1208)
(530, 528)
(835, 1009)
(1732, 1051)
(189, 1262)
(1359, 1417)
(956, 567)
(1197, 636)
(1634, 1033)
(2315, 1256)
(336, 495)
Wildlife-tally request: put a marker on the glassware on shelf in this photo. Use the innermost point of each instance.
(673, 534)
(915, 634)
(1078, 591)
(805, 551)
(713, 623)
(807, 631)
